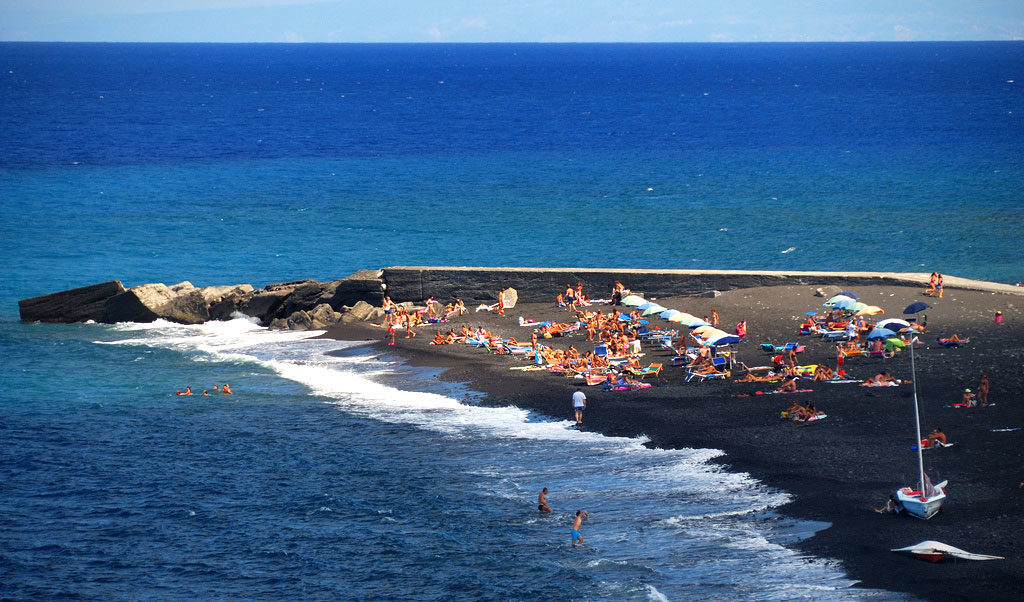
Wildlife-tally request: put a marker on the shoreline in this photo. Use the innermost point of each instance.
(838, 469)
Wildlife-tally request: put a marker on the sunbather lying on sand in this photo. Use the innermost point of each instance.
(801, 413)
(882, 379)
(750, 377)
(953, 339)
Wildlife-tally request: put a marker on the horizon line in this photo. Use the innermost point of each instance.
(564, 43)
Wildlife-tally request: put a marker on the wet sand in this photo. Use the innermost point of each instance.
(837, 469)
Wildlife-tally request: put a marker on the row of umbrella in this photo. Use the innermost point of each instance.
(847, 301)
(700, 328)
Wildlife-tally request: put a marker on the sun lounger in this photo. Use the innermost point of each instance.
(718, 363)
(653, 369)
(836, 335)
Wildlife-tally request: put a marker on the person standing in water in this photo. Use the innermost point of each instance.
(577, 537)
(542, 501)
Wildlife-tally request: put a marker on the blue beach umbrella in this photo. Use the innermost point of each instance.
(724, 339)
(645, 305)
(915, 307)
(880, 333)
(696, 324)
(843, 303)
(890, 322)
(811, 313)
(848, 294)
(835, 298)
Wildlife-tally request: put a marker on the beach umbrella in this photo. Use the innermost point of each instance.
(653, 309)
(870, 310)
(696, 323)
(894, 342)
(679, 317)
(645, 305)
(723, 339)
(702, 330)
(836, 298)
(893, 322)
(843, 303)
(668, 313)
(634, 300)
(509, 298)
(880, 333)
(848, 294)
(855, 307)
(915, 307)
(811, 313)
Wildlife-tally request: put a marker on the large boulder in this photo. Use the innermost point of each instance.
(359, 312)
(262, 304)
(182, 303)
(363, 285)
(138, 304)
(323, 315)
(224, 301)
(304, 297)
(75, 305)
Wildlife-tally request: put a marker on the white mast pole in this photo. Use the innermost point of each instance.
(917, 420)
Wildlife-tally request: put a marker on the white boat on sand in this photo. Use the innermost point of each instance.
(936, 551)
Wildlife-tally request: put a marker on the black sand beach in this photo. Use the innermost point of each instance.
(837, 469)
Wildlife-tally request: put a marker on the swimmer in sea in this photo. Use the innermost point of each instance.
(577, 537)
(227, 390)
(542, 501)
(187, 391)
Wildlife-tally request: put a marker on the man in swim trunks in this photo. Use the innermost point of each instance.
(577, 537)
(542, 501)
(579, 403)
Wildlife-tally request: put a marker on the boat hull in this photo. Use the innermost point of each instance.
(919, 506)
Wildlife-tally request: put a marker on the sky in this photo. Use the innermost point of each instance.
(282, 21)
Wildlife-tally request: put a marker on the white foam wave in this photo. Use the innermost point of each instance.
(349, 382)
(654, 595)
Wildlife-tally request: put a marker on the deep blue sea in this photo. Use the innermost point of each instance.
(349, 476)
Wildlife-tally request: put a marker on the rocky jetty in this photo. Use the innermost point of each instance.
(296, 305)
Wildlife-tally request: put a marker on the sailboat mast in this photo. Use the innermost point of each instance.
(917, 419)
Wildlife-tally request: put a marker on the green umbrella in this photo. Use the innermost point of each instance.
(856, 307)
(654, 309)
(894, 342)
(634, 300)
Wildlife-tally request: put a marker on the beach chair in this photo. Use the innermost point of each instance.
(653, 369)
(851, 352)
(718, 363)
(836, 335)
